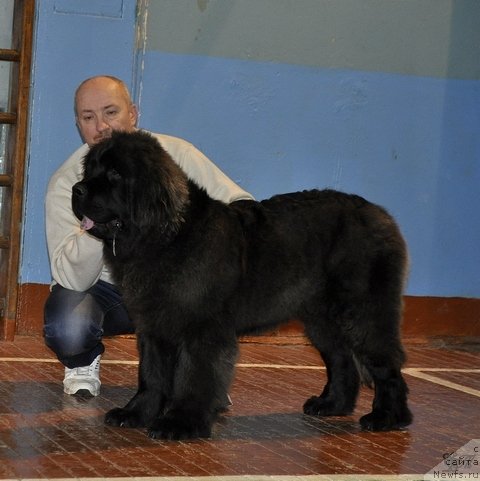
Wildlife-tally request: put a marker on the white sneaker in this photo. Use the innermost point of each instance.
(84, 377)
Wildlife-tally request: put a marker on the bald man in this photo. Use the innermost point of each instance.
(84, 305)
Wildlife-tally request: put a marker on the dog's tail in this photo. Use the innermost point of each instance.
(365, 377)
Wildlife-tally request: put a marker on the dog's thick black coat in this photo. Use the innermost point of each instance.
(196, 274)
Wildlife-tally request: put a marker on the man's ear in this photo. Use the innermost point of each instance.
(133, 115)
(77, 124)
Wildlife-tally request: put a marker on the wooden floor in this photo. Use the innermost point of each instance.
(46, 434)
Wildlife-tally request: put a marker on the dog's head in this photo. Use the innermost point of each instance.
(131, 187)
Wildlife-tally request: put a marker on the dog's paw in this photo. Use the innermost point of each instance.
(318, 406)
(124, 418)
(382, 420)
(177, 427)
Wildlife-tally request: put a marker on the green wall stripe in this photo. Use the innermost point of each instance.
(439, 38)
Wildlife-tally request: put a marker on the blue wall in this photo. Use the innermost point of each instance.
(376, 97)
(73, 40)
(409, 143)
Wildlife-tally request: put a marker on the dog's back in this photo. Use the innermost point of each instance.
(316, 252)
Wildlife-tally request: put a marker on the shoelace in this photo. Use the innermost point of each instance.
(86, 370)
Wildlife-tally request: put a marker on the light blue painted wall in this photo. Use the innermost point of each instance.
(73, 40)
(378, 97)
(409, 143)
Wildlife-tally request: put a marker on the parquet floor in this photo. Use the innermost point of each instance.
(47, 434)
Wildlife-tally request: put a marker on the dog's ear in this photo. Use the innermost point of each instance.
(160, 195)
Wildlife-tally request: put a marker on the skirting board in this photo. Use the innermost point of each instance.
(426, 319)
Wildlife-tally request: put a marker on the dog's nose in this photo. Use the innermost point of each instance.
(79, 190)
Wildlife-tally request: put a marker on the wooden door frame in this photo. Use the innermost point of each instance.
(18, 119)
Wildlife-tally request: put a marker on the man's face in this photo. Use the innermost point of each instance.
(101, 107)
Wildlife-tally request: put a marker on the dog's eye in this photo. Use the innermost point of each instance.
(114, 175)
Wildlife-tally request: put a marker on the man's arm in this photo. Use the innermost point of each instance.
(76, 258)
(202, 170)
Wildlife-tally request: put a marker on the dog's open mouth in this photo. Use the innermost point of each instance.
(112, 225)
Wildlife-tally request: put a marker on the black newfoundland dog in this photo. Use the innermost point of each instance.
(196, 274)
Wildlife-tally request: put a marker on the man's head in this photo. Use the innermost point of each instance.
(103, 104)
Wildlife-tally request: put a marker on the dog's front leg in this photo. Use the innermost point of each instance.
(202, 378)
(154, 385)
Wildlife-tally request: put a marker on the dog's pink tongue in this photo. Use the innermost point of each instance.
(87, 223)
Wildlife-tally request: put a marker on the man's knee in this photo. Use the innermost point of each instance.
(72, 322)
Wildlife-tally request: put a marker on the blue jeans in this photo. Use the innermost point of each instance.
(75, 322)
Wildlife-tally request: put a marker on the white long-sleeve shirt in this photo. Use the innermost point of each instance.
(76, 257)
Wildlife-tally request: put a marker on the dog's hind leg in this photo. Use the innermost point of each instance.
(343, 381)
(390, 409)
(377, 343)
(377, 347)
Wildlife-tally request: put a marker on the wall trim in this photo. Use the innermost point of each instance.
(426, 319)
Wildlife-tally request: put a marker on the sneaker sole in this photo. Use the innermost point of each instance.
(81, 387)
